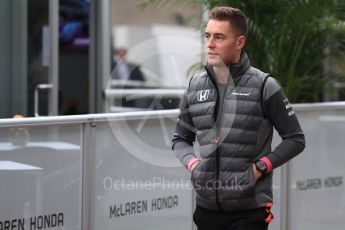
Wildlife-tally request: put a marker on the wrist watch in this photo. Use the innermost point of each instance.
(261, 167)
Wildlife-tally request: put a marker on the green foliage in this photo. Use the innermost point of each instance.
(292, 39)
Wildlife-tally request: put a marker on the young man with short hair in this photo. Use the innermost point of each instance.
(231, 109)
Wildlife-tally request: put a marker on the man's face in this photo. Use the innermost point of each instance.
(223, 46)
(121, 53)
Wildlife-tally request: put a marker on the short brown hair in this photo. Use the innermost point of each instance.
(234, 16)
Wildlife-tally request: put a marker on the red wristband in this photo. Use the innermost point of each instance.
(268, 164)
(191, 163)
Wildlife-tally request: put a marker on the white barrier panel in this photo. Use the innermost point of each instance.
(117, 172)
(139, 182)
(316, 190)
(40, 171)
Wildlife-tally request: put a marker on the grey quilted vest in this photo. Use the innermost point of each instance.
(224, 178)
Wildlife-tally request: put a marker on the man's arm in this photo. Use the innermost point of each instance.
(184, 137)
(279, 111)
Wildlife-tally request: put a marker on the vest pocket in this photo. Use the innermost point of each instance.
(251, 177)
(202, 182)
(248, 189)
(195, 174)
(238, 185)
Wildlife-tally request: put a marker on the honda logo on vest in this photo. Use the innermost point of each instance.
(203, 95)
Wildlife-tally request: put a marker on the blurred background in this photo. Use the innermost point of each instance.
(60, 57)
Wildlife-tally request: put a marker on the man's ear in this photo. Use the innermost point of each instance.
(241, 40)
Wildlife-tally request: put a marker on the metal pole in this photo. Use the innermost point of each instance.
(105, 47)
(88, 172)
(92, 59)
(284, 212)
(19, 35)
(36, 101)
(54, 56)
(100, 57)
(140, 93)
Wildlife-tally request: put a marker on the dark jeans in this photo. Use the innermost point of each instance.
(240, 220)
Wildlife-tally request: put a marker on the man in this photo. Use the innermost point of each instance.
(231, 108)
(125, 70)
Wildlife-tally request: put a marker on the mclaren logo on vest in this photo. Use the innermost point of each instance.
(203, 95)
(241, 94)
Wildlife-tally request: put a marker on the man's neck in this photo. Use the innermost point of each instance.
(221, 74)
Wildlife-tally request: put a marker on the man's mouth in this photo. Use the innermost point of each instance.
(211, 54)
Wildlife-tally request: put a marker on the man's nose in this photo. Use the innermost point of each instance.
(210, 43)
